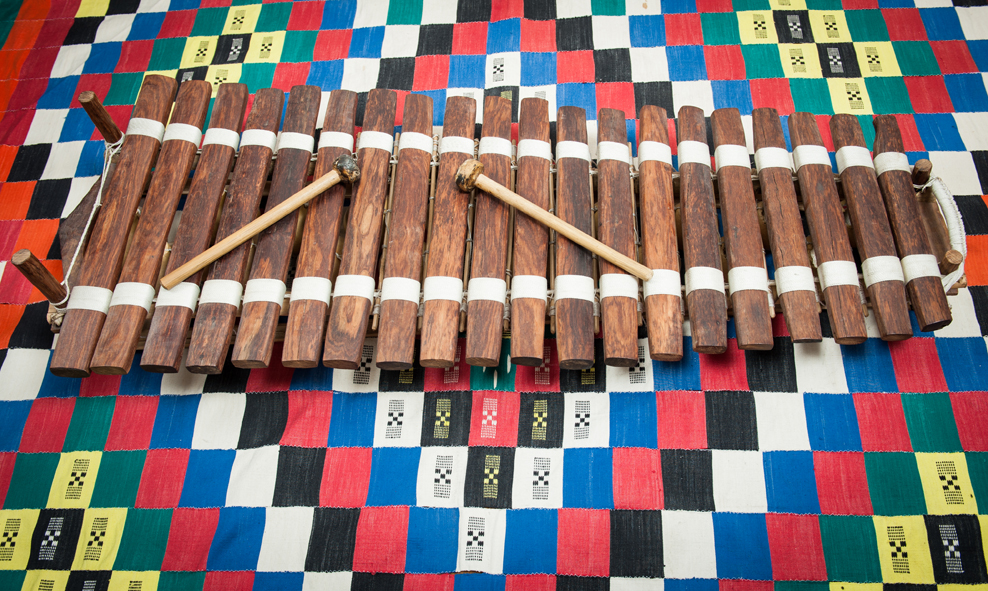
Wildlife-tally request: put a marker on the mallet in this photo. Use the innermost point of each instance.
(471, 175)
(344, 168)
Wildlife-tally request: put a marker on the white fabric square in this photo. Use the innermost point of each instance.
(642, 7)
(398, 422)
(115, 27)
(400, 41)
(820, 367)
(46, 127)
(629, 584)
(973, 128)
(70, 60)
(371, 14)
(363, 379)
(326, 581)
(749, 134)
(587, 419)
(592, 134)
(183, 381)
(649, 64)
(687, 329)
(958, 171)
(739, 481)
(63, 160)
(933, 4)
(502, 69)
(688, 545)
(22, 372)
(697, 93)
(546, 93)
(538, 478)
(252, 477)
(965, 320)
(633, 379)
(436, 12)
(441, 476)
(974, 21)
(610, 32)
(77, 192)
(781, 420)
(153, 6)
(286, 539)
(573, 8)
(218, 420)
(360, 74)
(481, 525)
(323, 105)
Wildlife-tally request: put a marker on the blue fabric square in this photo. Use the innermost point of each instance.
(103, 58)
(538, 69)
(678, 6)
(478, 582)
(183, 4)
(686, 62)
(53, 386)
(684, 375)
(394, 471)
(91, 160)
(587, 478)
(59, 93)
(832, 422)
(896, 4)
(207, 478)
(979, 51)
(647, 31)
(964, 361)
(578, 94)
(318, 379)
(174, 421)
(790, 484)
(633, 422)
(366, 42)
(352, 422)
(438, 104)
(530, 541)
(466, 71)
(939, 132)
(741, 545)
(692, 584)
(868, 367)
(328, 76)
(338, 14)
(432, 539)
(917, 331)
(146, 25)
(138, 382)
(78, 127)
(504, 36)
(13, 416)
(278, 581)
(967, 92)
(941, 24)
(785, 130)
(237, 541)
(732, 93)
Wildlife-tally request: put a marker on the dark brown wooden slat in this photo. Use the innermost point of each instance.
(926, 293)
(349, 315)
(447, 239)
(307, 318)
(701, 240)
(406, 238)
(872, 233)
(81, 328)
(169, 325)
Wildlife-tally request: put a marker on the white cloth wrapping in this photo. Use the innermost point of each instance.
(146, 127)
(259, 137)
(312, 288)
(710, 278)
(690, 151)
(618, 285)
(881, 268)
(770, 157)
(412, 140)
(810, 154)
(731, 155)
(529, 286)
(747, 279)
(360, 286)
(221, 291)
(400, 288)
(375, 139)
(87, 297)
(442, 288)
(264, 290)
(915, 266)
(613, 151)
(456, 144)
(573, 287)
(887, 161)
(295, 141)
(793, 278)
(534, 148)
(837, 273)
(132, 293)
(572, 150)
(486, 288)
(654, 152)
(221, 136)
(183, 132)
(336, 139)
(184, 294)
(497, 146)
(849, 156)
(663, 282)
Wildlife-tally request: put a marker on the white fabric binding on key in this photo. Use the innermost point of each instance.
(663, 282)
(494, 145)
(184, 132)
(132, 293)
(613, 151)
(376, 139)
(87, 297)
(223, 137)
(486, 288)
(336, 139)
(184, 294)
(296, 141)
(456, 144)
(221, 291)
(704, 278)
(312, 288)
(618, 285)
(793, 278)
(731, 155)
(887, 161)
(535, 148)
(572, 150)
(810, 154)
(146, 127)
(529, 286)
(573, 287)
(849, 156)
(415, 141)
(259, 137)
(772, 158)
(747, 279)
(442, 288)
(881, 268)
(915, 266)
(360, 286)
(400, 288)
(654, 152)
(693, 152)
(837, 273)
(265, 290)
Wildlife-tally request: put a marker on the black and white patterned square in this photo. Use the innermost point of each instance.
(77, 479)
(489, 477)
(396, 416)
(541, 470)
(793, 26)
(93, 580)
(440, 479)
(949, 482)
(55, 537)
(444, 476)
(838, 60)
(366, 378)
(956, 547)
(196, 73)
(581, 420)
(759, 25)
(474, 546)
(481, 540)
(232, 49)
(540, 420)
(446, 418)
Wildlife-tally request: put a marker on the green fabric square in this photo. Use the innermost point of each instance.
(90, 424)
(762, 61)
(298, 47)
(977, 469)
(811, 95)
(167, 54)
(867, 123)
(742, 5)
(273, 17)
(245, 2)
(9, 9)
(124, 88)
(209, 22)
(31, 481)
(5, 26)
(720, 28)
(145, 535)
(888, 95)
(257, 76)
(866, 25)
(825, 5)
(118, 479)
(179, 581)
(607, 7)
(12, 579)
(801, 586)
(915, 58)
(894, 484)
(406, 12)
(850, 548)
(500, 378)
(930, 418)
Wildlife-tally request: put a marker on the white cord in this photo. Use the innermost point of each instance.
(955, 226)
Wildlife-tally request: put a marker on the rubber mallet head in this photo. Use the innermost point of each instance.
(466, 175)
(346, 165)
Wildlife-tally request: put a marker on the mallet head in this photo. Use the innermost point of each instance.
(346, 165)
(466, 175)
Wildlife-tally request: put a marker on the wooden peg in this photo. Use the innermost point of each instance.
(104, 123)
(39, 275)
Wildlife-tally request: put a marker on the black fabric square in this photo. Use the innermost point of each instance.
(907, 587)
(540, 10)
(33, 330)
(593, 379)
(197, 73)
(956, 548)
(612, 65)
(396, 73)
(687, 479)
(83, 30)
(838, 60)
(540, 419)
(232, 379)
(407, 380)
(731, 422)
(772, 371)
(29, 163)
(572, 583)
(654, 93)
(490, 472)
(231, 49)
(970, 2)
(331, 542)
(55, 250)
(435, 40)
(793, 26)
(123, 6)
(48, 199)
(981, 165)
(636, 544)
(55, 538)
(299, 476)
(87, 580)
(574, 34)
(446, 418)
(265, 417)
(377, 582)
(974, 212)
(509, 92)
(473, 10)
(825, 330)
(979, 295)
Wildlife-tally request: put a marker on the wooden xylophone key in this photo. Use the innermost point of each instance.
(880, 266)
(442, 291)
(793, 275)
(400, 289)
(663, 293)
(311, 287)
(353, 294)
(919, 264)
(174, 308)
(531, 239)
(701, 240)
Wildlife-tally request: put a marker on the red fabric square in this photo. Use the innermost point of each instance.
(451, 378)
(881, 422)
(189, 538)
(574, 66)
(714, 6)
(682, 420)
(306, 16)
(494, 418)
(10, 315)
(215, 4)
(162, 478)
(46, 425)
(41, 59)
(97, 385)
(98, 83)
(823, 126)
(904, 24)
(470, 38)
(288, 75)
(308, 419)
(11, 61)
(273, 378)
(345, 477)
(14, 288)
(724, 62)
(779, 327)
(228, 581)
(431, 72)
(911, 140)
(617, 95)
(525, 583)
(726, 371)
(400, 105)
(27, 93)
(178, 23)
(584, 543)
(15, 198)
(539, 36)
(135, 56)
(796, 547)
(54, 30)
(684, 29)
(842, 483)
(332, 45)
(917, 365)
(859, 4)
(928, 94)
(7, 155)
(133, 422)
(732, 585)
(544, 378)
(772, 92)
(953, 56)
(429, 582)
(382, 533)
(37, 236)
(9, 231)
(971, 415)
(637, 478)
(23, 34)
(14, 126)
(505, 9)
(7, 461)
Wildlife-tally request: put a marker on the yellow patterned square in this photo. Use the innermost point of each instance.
(72, 487)
(492, 467)
(217, 75)
(946, 484)
(836, 586)
(829, 26)
(903, 549)
(92, 8)
(849, 95)
(877, 58)
(787, 4)
(241, 19)
(129, 581)
(45, 580)
(16, 529)
(757, 26)
(99, 539)
(198, 52)
(265, 48)
(800, 60)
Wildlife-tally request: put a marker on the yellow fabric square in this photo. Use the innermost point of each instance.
(787, 4)
(834, 586)
(72, 487)
(829, 26)
(757, 26)
(99, 539)
(45, 580)
(265, 48)
(849, 95)
(130, 580)
(241, 19)
(800, 60)
(946, 484)
(903, 549)
(877, 58)
(198, 52)
(217, 75)
(16, 529)
(92, 8)
(166, 73)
